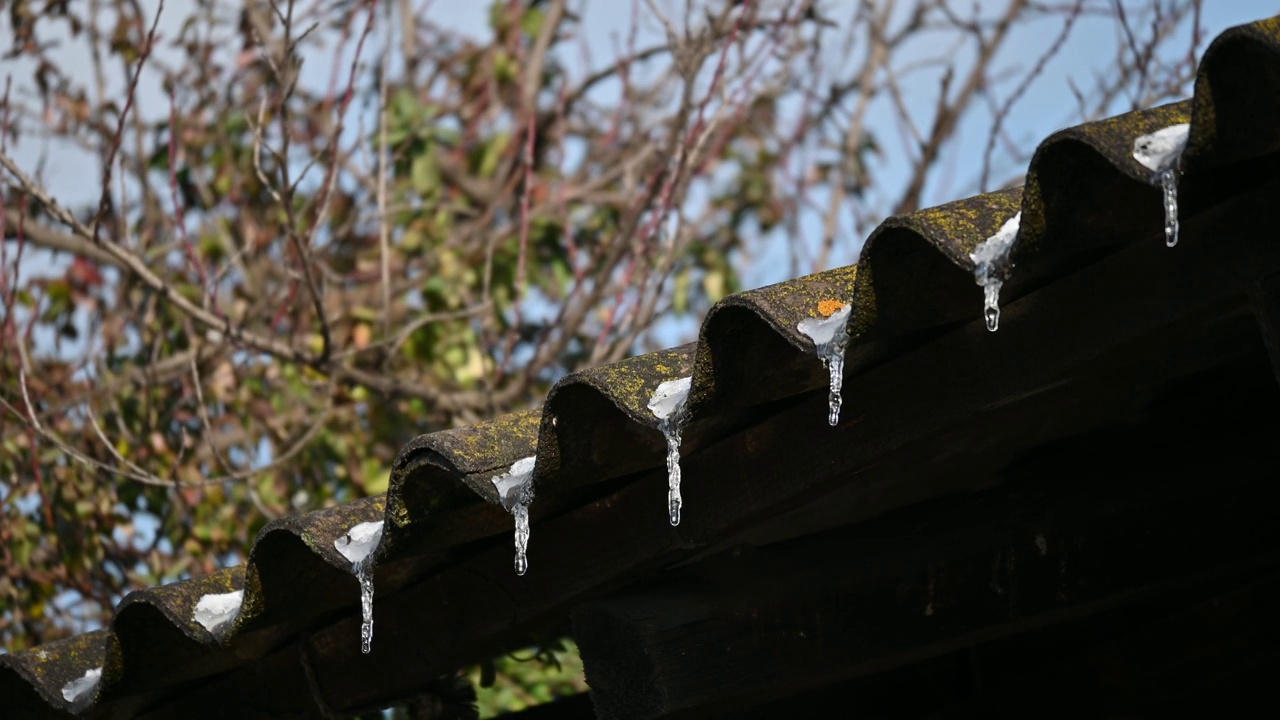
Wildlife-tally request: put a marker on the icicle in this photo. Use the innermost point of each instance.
(217, 609)
(357, 546)
(82, 687)
(667, 404)
(515, 491)
(990, 265)
(1159, 152)
(991, 304)
(1169, 182)
(829, 339)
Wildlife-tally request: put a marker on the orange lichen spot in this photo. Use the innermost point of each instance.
(830, 307)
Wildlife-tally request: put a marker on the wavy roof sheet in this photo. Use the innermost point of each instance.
(754, 444)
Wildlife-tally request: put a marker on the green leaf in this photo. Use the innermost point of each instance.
(365, 313)
(411, 241)
(505, 69)
(424, 176)
(714, 284)
(531, 21)
(492, 154)
(680, 292)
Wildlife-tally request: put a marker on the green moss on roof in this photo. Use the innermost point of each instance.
(480, 447)
(325, 526)
(630, 383)
(785, 304)
(958, 227)
(469, 454)
(506, 438)
(1207, 141)
(1112, 139)
(52, 665)
(178, 600)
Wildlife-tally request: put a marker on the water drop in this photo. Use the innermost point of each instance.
(673, 508)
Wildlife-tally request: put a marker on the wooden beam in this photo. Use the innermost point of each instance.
(1265, 297)
(1216, 656)
(1208, 651)
(1109, 520)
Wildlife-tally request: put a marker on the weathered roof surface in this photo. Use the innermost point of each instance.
(920, 365)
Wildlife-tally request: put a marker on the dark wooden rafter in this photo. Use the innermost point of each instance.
(1102, 521)
(1265, 295)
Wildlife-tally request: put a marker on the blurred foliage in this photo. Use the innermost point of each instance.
(528, 677)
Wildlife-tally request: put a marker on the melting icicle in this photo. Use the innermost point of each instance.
(82, 687)
(1159, 152)
(357, 546)
(1169, 182)
(829, 338)
(515, 491)
(990, 261)
(216, 610)
(667, 404)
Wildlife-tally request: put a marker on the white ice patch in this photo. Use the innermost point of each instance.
(359, 542)
(667, 404)
(1159, 152)
(669, 397)
(829, 339)
(357, 546)
(990, 260)
(77, 689)
(215, 610)
(515, 492)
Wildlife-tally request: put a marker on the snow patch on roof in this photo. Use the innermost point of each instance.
(515, 486)
(823, 330)
(990, 266)
(359, 542)
(80, 687)
(670, 397)
(995, 248)
(217, 609)
(1160, 150)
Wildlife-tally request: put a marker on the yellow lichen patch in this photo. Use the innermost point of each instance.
(829, 307)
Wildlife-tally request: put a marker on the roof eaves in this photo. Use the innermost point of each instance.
(1085, 198)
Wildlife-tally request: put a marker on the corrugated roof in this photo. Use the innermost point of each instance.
(754, 445)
